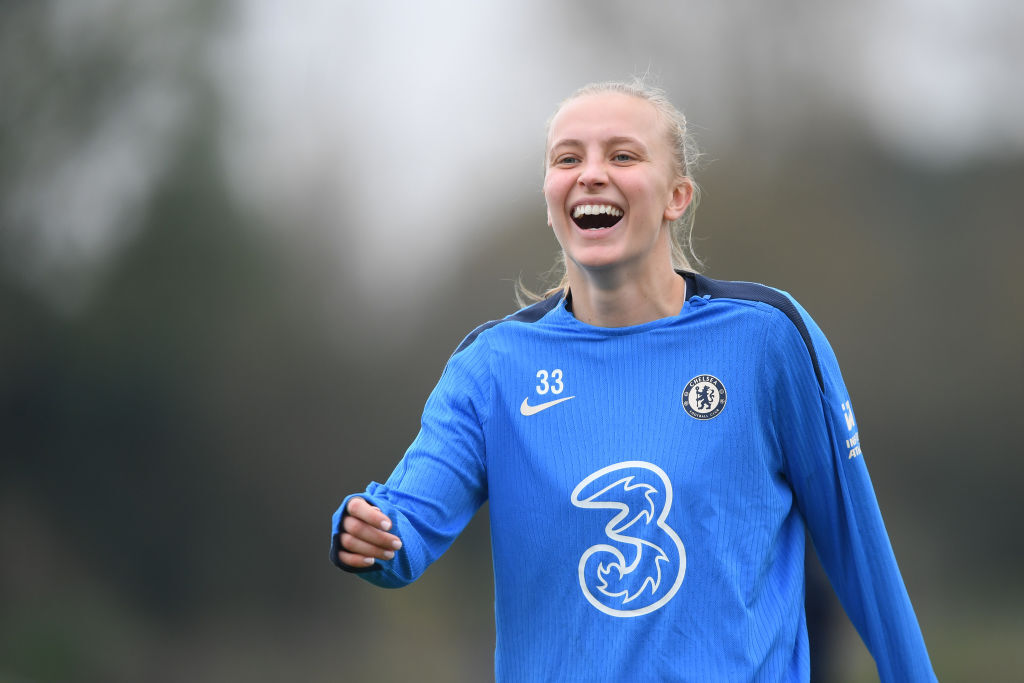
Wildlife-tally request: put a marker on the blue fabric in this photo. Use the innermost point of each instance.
(649, 488)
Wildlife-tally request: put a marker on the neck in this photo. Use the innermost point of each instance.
(618, 299)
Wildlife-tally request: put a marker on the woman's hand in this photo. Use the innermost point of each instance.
(365, 536)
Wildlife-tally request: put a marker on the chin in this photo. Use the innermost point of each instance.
(593, 261)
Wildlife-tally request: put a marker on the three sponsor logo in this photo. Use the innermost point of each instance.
(638, 564)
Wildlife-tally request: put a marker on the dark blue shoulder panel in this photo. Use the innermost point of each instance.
(530, 314)
(749, 291)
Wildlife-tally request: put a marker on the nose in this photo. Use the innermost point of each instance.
(592, 175)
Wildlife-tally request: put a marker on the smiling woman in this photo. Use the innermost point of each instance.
(610, 158)
(654, 445)
(657, 118)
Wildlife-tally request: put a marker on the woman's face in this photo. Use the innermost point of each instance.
(611, 185)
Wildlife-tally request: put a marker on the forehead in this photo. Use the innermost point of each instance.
(606, 115)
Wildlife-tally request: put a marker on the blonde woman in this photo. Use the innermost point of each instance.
(653, 444)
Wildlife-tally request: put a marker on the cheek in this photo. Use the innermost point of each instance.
(646, 194)
(555, 191)
(551, 182)
(641, 196)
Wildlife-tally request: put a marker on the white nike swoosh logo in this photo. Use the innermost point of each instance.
(526, 409)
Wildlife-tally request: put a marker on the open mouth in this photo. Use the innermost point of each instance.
(596, 216)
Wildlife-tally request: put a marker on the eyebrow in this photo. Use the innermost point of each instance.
(617, 140)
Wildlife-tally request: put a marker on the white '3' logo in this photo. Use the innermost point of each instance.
(644, 581)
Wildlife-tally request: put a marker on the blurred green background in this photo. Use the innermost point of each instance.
(239, 241)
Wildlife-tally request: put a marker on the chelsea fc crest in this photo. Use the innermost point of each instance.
(704, 397)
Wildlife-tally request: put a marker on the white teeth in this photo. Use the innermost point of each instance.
(593, 209)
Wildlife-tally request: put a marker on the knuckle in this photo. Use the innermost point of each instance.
(351, 543)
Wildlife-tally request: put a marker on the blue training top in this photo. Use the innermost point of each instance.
(649, 489)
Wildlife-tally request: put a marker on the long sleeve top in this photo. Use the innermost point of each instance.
(649, 489)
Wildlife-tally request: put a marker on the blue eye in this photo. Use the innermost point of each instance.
(567, 160)
(622, 157)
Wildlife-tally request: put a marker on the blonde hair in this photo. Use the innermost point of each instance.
(685, 156)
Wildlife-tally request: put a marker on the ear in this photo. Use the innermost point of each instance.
(682, 195)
